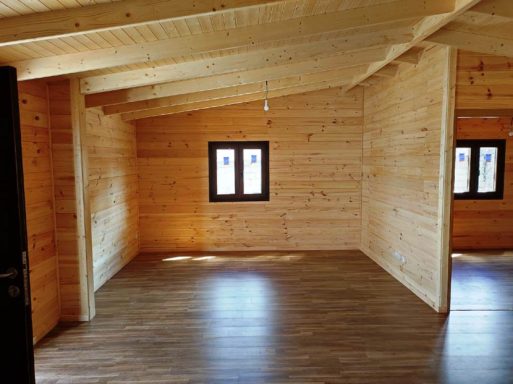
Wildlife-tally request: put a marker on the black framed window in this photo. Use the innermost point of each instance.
(479, 169)
(238, 170)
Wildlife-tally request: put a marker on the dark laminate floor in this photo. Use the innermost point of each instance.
(296, 318)
(482, 281)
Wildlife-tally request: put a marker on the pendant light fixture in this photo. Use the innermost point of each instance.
(266, 102)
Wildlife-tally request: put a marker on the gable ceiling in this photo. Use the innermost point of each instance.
(143, 58)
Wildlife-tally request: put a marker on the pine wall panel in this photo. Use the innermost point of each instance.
(401, 171)
(40, 209)
(315, 175)
(113, 193)
(484, 82)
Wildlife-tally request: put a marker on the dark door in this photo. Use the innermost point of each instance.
(17, 362)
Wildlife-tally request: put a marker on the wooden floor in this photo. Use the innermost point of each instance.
(482, 281)
(283, 318)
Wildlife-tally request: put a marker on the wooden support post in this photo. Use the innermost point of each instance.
(73, 220)
(446, 180)
(78, 123)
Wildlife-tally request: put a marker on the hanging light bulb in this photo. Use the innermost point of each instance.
(266, 102)
(266, 105)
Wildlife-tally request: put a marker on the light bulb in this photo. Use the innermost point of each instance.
(266, 105)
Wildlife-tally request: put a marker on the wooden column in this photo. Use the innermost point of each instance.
(73, 218)
(446, 179)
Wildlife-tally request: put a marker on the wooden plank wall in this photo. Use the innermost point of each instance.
(37, 164)
(315, 160)
(484, 82)
(486, 224)
(401, 169)
(113, 193)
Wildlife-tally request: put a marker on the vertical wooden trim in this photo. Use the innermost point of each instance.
(362, 107)
(445, 195)
(134, 124)
(78, 122)
(50, 154)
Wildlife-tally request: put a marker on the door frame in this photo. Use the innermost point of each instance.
(18, 366)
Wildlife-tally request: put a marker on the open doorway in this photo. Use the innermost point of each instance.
(482, 233)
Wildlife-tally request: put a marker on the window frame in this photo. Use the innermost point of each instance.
(475, 146)
(238, 147)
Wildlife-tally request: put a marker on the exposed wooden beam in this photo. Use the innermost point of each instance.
(233, 38)
(238, 61)
(334, 76)
(187, 98)
(233, 79)
(426, 27)
(101, 17)
(229, 100)
(473, 42)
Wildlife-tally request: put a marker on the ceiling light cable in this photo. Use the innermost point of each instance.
(266, 102)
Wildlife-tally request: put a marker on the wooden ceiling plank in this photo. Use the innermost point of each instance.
(239, 37)
(230, 79)
(355, 46)
(423, 29)
(102, 17)
(473, 42)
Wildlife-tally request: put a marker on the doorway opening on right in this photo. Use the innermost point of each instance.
(482, 231)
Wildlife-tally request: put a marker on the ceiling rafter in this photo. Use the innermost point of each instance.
(493, 45)
(107, 16)
(232, 38)
(230, 100)
(338, 75)
(254, 59)
(227, 65)
(423, 29)
(234, 78)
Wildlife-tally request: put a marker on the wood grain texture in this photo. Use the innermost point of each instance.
(401, 174)
(484, 82)
(70, 229)
(107, 16)
(486, 224)
(273, 318)
(197, 44)
(315, 168)
(113, 193)
(40, 209)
